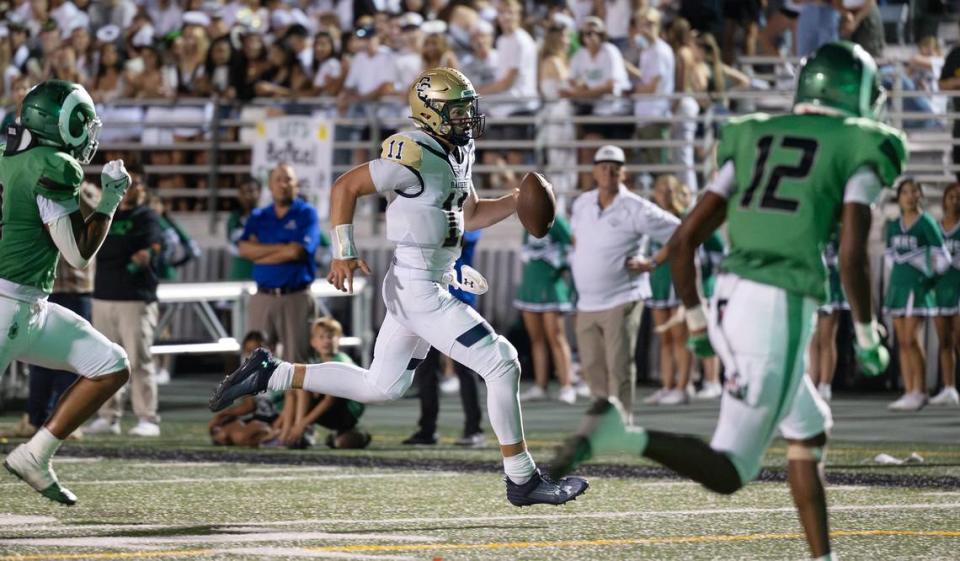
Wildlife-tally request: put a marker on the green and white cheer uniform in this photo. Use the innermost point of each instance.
(543, 287)
(918, 255)
(39, 185)
(947, 287)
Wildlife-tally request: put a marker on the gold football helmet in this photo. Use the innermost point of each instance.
(444, 103)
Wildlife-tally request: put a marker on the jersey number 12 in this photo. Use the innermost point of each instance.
(770, 200)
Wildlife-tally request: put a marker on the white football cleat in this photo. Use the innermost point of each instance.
(39, 475)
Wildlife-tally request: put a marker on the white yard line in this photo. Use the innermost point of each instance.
(292, 469)
(170, 464)
(23, 520)
(125, 542)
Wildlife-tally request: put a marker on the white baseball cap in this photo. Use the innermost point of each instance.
(609, 153)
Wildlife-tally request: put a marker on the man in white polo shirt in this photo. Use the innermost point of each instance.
(609, 224)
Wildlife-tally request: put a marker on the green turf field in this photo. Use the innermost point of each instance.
(177, 497)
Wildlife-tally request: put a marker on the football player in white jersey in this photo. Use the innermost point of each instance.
(429, 170)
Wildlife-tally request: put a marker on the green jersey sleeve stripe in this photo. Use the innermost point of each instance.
(53, 185)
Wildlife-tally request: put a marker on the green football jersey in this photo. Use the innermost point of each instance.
(790, 172)
(28, 255)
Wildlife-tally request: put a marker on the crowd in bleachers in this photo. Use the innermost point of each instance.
(554, 59)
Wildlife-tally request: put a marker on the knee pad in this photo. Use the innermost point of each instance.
(500, 360)
(112, 361)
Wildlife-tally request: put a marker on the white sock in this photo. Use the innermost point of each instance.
(282, 377)
(44, 445)
(828, 557)
(519, 468)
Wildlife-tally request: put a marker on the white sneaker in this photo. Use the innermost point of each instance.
(582, 389)
(567, 395)
(909, 402)
(533, 393)
(450, 385)
(654, 398)
(674, 397)
(103, 426)
(162, 377)
(145, 428)
(825, 391)
(948, 396)
(39, 475)
(691, 390)
(710, 390)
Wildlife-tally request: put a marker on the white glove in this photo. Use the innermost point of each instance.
(473, 282)
(114, 180)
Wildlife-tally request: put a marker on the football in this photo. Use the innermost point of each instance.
(537, 205)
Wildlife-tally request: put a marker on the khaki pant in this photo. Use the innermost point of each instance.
(606, 341)
(131, 324)
(284, 319)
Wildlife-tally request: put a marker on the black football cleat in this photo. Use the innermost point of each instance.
(250, 379)
(541, 490)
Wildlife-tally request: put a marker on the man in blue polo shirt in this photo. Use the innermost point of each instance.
(280, 239)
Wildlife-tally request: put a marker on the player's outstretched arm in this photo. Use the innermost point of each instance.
(343, 203)
(702, 221)
(481, 213)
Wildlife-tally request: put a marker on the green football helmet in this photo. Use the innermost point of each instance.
(841, 78)
(61, 114)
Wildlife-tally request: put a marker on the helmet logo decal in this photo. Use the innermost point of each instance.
(70, 104)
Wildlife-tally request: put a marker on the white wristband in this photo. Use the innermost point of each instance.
(696, 319)
(109, 201)
(868, 334)
(343, 246)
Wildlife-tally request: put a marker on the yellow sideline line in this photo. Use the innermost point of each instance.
(496, 545)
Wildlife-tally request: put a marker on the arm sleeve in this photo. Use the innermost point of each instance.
(51, 209)
(621, 81)
(651, 220)
(863, 187)
(61, 232)
(724, 182)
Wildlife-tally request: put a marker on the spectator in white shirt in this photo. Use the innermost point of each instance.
(598, 77)
(370, 85)
(409, 54)
(655, 73)
(616, 15)
(482, 64)
(608, 225)
(165, 15)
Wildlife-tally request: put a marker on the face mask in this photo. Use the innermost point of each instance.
(641, 42)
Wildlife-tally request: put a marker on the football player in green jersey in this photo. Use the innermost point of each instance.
(783, 183)
(41, 219)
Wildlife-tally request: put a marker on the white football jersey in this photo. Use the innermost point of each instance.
(425, 219)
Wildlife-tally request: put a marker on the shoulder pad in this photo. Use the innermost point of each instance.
(402, 149)
(60, 176)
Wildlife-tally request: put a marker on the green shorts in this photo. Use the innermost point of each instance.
(947, 293)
